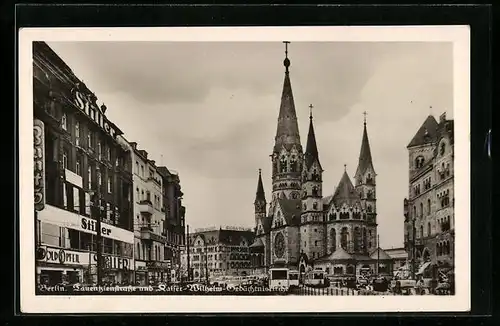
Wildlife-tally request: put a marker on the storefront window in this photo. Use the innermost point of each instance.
(50, 234)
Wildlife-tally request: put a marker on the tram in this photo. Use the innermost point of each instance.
(278, 278)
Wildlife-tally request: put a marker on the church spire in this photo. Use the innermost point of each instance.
(365, 156)
(287, 132)
(260, 195)
(311, 154)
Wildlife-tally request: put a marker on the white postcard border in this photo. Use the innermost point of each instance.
(459, 35)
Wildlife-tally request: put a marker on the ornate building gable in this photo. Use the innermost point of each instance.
(278, 218)
(286, 213)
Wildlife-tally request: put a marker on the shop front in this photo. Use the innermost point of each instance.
(158, 271)
(141, 273)
(63, 266)
(151, 272)
(59, 266)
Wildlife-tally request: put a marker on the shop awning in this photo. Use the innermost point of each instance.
(423, 267)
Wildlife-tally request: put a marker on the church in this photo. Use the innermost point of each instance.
(301, 228)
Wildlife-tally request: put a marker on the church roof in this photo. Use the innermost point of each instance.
(257, 243)
(327, 200)
(291, 209)
(365, 155)
(380, 254)
(260, 195)
(426, 134)
(287, 132)
(311, 155)
(339, 254)
(345, 192)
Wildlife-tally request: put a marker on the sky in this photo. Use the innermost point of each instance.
(208, 110)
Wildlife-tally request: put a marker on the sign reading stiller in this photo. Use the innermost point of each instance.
(87, 106)
(71, 220)
(39, 164)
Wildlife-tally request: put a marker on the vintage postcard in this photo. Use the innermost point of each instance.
(311, 169)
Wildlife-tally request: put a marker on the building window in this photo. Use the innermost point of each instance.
(110, 186)
(421, 209)
(429, 229)
(99, 150)
(89, 139)
(428, 207)
(108, 153)
(142, 171)
(89, 177)
(77, 133)
(65, 159)
(99, 179)
(344, 235)
(78, 166)
(64, 122)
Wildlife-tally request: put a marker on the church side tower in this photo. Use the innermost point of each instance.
(312, 226)
(287, 152)
(260, 202)
(366, 188)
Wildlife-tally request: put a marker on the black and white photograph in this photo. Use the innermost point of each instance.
(174, 167)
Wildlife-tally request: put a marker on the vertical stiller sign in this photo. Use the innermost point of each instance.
(39, 164)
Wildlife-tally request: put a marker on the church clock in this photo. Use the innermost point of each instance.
(279, 245)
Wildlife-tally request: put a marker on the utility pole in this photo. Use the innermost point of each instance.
(96, 213)
(187, 249)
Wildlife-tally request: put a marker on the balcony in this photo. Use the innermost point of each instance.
(146, 233)
(146, 207)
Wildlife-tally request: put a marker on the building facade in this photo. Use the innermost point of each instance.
(82, 173)
(429, 208)
(216, 252)
(300, 225)
(151, 262)
(175, 225)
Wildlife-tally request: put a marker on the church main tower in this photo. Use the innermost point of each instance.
(366, 188)
(287, 155)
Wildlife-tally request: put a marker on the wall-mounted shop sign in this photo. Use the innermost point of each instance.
(115, 263)
(61, 217)
(87, 105)
(39, 164)
(71, 257)
(60, 256)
